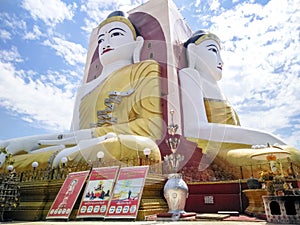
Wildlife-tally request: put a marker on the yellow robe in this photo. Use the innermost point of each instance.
(138, 113)
(220, 111)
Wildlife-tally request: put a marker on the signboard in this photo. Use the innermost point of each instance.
(64, 202)
(97, 194)
(127, 192)
(209, 199)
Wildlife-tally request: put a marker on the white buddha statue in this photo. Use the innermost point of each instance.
(208, 118)
(205, 108)
(118, 113)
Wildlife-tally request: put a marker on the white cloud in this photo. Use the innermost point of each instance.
(50, 12)
(12, 23)
(11, 55)
(5, 35)
(35, 100)
(214, 5)
(73, 53)
(197, 3)
(98, 10)
(35, 34)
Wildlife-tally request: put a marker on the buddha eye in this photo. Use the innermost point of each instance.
(213, 50)
(116, 34)
(100, 40)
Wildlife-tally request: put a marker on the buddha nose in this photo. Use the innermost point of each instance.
(221, 63)
(105, 44)
(106, 47)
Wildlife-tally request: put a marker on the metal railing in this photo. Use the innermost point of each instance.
(190, 174)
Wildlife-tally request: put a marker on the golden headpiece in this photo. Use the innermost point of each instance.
(201, 36)
(208, 36)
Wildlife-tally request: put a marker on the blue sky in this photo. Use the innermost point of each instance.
(43, 45)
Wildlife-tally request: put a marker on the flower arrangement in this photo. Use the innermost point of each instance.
(266, 176)
(273, 183)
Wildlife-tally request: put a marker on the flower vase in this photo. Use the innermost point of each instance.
(175, 193)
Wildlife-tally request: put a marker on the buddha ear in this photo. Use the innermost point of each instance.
(138, 48)
(191, 55)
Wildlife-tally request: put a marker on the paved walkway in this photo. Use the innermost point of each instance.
(199, 222)
(204, 219)
(137, 223)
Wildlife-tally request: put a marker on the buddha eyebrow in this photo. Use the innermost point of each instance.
(211, 45)
(116, 29)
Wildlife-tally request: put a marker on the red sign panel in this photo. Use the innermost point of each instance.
(127, 192)
(64, 202)
(97, 194)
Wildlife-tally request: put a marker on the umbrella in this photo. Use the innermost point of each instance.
(271, 154)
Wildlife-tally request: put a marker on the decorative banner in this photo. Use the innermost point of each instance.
(96, 196)
(127, 192)
(64, 202)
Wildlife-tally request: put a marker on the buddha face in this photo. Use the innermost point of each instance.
(115, 42)
(208, 58)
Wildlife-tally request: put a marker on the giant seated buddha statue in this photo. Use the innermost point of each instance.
(208, 118)
(118, 113)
